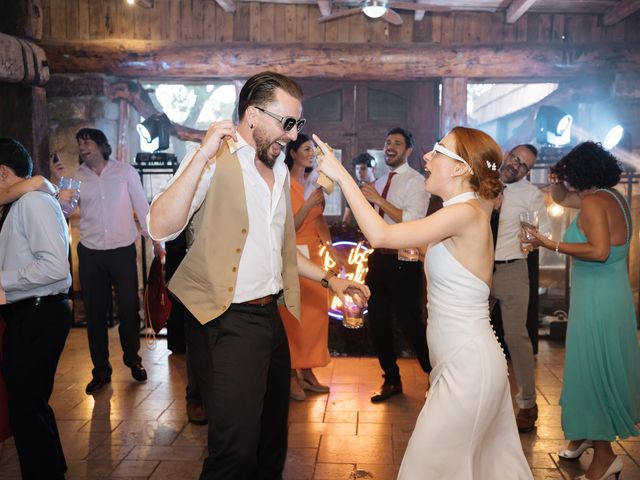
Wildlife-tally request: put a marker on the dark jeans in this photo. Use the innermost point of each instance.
(242, 365)
(396, 289)
(33, 342)
(99, 269)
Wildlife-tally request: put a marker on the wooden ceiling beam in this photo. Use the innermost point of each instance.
(162, 59)
(619, 11)
(228, 6)
(516, 9)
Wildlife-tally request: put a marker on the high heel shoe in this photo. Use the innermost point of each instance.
(614, 469)
(567, 454)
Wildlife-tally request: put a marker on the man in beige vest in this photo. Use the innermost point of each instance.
(235, 188)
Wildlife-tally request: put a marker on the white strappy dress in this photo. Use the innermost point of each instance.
(466, 429)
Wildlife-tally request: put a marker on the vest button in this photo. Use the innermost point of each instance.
(237, 250)
(231, 289)
(234, 269)
(223, 307)
(244, 230)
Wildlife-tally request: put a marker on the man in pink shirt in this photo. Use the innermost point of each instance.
(111, 191)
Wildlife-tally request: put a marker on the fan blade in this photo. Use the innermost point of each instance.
(418, 6)
(392, 17)
(340, 14)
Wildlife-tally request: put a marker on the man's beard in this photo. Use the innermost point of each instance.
(263, 147)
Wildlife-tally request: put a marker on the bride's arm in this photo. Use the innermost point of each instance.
(432, 229)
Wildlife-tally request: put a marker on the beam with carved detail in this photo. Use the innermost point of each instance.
(619, 11)
(325, 7)
(228, 6)
(516, 9)
(157, 59)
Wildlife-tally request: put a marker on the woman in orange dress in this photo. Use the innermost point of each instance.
(308, 338)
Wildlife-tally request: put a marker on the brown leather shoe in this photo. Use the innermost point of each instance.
(195, 414)
(526, 419)
(387, 390)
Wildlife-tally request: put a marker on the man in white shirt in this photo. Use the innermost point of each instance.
(234, 333)
(396, 284)
(34, 280)
(110, 192)
(511, 277)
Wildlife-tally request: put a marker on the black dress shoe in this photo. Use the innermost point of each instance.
(386, 391)
(138, 372)
(96, 384)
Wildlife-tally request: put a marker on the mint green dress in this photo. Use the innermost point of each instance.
(601, 387)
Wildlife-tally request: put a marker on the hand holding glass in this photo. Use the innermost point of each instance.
(528, 220)
(353, 308)
(70, 184)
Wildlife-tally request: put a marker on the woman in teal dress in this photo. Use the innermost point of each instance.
(601, 387)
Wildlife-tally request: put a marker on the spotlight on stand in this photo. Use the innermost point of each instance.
(374, 8)
(553, 126)
(617, 136)
(156, 126)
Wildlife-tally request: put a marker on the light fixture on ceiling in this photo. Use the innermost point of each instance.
(553, 126)
(156, 126)
(617, 136)
(374, 8)
(131, 2)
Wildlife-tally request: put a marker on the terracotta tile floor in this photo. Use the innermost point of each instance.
(140, 431)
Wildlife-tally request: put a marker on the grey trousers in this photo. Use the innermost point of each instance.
(511, 288)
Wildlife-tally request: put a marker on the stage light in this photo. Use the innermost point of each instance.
(131, 2)
(617, 136)
(156, 126)
(374, 8)
(555, 210)
(553, 126)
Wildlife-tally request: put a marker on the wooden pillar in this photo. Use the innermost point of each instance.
(23, 116)
(23, 69)
(453, 105)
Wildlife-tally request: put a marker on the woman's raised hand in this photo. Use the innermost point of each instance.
(327, 162)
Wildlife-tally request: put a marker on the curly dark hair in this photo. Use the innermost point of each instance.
(588, 165)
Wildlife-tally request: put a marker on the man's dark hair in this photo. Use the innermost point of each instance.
(364, 159)
(529, 147)
(408, 138)
(98, 137)
(15, 156)
(588, 165)
(261, 89)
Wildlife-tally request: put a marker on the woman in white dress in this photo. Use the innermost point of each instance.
(466, 429)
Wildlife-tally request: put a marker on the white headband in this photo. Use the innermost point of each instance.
(445, 151)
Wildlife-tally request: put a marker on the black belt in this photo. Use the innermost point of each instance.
(35, 301)
(503, 262)
(386, 251)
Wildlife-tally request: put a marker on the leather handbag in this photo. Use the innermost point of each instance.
(157, 304)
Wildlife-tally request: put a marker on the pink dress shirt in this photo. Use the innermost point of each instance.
(107, 203)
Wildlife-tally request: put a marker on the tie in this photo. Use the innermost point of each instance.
(385, 191)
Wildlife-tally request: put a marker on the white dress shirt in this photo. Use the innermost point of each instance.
(107, 202)
(260, 269)
(406, 192)
(34, 249)
(518, 197)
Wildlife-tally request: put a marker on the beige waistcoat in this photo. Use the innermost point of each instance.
(206, 279)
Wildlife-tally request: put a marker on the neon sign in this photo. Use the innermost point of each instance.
(356, 268)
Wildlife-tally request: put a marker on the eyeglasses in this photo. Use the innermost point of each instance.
(445, 151)
(287, 122)
(518, 161)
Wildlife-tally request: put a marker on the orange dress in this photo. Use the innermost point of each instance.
(308, 340)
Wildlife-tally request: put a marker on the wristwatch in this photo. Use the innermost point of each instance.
(325, 281)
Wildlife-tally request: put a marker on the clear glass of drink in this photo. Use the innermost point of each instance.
(67, 183)
(528, 220)
(353, 309)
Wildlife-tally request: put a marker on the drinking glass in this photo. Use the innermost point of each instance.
(353, 309)
(528, 219)
(67, 183)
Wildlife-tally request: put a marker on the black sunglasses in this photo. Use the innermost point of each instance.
(287, 122)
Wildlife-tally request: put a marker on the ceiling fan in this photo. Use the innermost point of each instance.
(378, 9)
